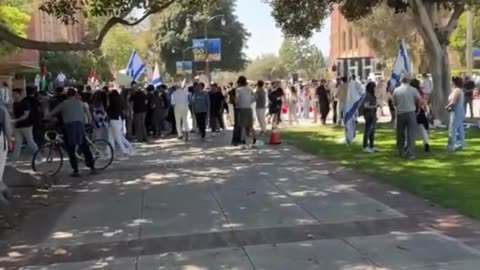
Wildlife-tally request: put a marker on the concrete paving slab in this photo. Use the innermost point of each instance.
(258, 205)
(324, 255)
(108, 215)
(328, 200)
(181, 210)
(110, 263)
(457, 265)
(217, 259)
(401, 251)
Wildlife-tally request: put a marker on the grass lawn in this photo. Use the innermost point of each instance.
(448, 179)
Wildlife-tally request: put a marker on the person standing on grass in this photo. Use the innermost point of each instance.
(422, 120)
(406, 101)
(200, 107)
(456, 130)
(73, 115)
(244, 100)
(292, 105)
(370, 106)
(260, 106)
(342, 92)
(323, 101)
(468, 88)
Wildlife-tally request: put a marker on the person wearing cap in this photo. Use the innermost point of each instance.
(406, 100)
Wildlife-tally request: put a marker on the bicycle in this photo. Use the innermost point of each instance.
(51, 154)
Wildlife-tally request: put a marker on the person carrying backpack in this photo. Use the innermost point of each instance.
(157, 107)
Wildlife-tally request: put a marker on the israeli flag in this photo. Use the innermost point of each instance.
(135, 67)
(355, 97)
(401, 66)
(156, 78)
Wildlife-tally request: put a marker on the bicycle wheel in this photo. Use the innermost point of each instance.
(48, 159)
(103, 154)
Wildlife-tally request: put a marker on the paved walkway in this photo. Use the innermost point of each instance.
(210, 206)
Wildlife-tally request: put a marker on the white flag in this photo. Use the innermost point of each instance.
(355, 97)
(401, 66)
(135, 67)
(156, 78)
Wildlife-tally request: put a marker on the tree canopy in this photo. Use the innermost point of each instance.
(298, 55)
(266, 66)
(114, 12)
(14, 17)
(459, 37)
(174, 36)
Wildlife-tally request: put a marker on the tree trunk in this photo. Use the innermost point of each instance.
(440, 68)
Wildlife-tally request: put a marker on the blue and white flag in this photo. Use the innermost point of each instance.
(135, 67)
(355, 97)
(156, 78)
(401, 66)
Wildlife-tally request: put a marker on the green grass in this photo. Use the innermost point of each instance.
(448, 179)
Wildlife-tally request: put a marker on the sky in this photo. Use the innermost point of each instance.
(266, 38)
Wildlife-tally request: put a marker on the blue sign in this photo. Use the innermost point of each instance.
(185, 67)
(476, 53)
(207, 49)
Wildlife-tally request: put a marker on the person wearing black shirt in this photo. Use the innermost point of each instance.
(23, 123)
(323, 100)
(217, 105)
(87, 95)
(36, 114)
(115, 114)
(140, 107)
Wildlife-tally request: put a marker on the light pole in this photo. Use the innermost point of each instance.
(469, 51)
(207, 20)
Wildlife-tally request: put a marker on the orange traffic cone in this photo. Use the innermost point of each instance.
(275, 137)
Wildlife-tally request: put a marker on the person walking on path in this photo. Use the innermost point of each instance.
(180, 101)
(456, 130)
(5, 139)
(323, 102)
(244, 101)
(292, 105)
(422, 119)
(140, 107)
(201, 107)
(217, 106)
(260, 106)
(73, 115)
(23, 124)
(370, 106)
(156, 106)
(100, 121)
(406, 101)
(115, 112)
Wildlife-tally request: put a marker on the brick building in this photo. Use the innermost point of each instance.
(349, 51)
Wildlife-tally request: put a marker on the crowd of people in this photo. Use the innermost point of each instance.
(140, 114)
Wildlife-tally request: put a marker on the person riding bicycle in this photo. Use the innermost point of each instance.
(73, 116)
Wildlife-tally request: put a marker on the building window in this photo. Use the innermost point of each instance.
(350, 39)
(344, 41)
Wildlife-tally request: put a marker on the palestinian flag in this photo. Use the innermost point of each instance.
(44, 81)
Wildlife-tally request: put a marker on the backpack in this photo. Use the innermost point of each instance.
(157, 101)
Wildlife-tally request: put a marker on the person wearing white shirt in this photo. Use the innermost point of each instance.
(61, 79)
(180, 101)
(427, 88)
